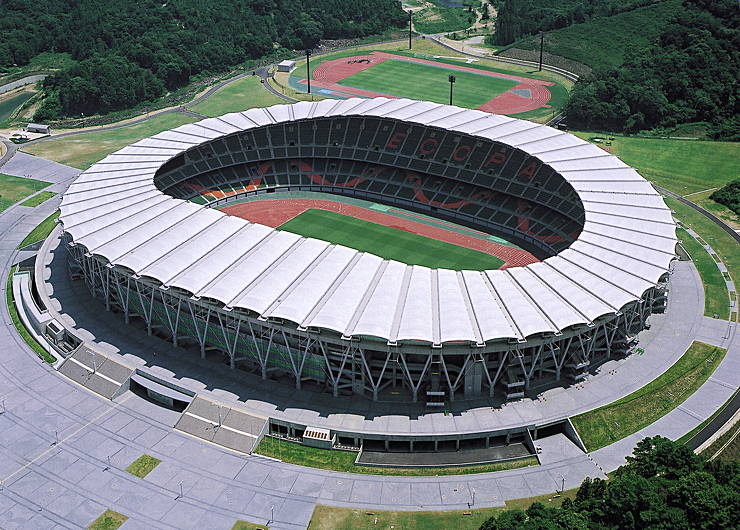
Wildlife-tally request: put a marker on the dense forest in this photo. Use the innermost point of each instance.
(663, 486)
(132, 51)
(521, 18)
(691, 74)
(728, 195)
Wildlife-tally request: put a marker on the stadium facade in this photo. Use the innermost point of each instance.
(142, 229)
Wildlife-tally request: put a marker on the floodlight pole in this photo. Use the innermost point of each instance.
(542, 45)
(411, 13)
(308, 69)
(452, 81)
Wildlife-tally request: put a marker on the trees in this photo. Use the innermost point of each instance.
(689, 75)
(663, 486)
(155, 46)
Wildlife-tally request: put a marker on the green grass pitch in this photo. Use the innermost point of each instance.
(431, 83)
(387, 242)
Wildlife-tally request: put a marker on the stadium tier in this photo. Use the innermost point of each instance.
(141, 228)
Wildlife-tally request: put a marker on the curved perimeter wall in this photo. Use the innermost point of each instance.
(279, 303)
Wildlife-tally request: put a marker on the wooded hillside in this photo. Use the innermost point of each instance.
(690, 74)
(131, 51)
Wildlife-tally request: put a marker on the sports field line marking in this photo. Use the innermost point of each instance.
(95, 372)
(206, 420)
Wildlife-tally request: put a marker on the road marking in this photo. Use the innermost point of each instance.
(94, 372)
(206, 420)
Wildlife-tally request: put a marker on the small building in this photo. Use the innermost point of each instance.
(286, 66)
(38, 128)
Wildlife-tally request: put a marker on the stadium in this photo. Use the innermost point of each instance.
(144, 230)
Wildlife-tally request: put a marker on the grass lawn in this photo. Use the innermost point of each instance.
(13, 189)
(84, 150)
(37, 199)
(143, 465)
(387, 242)
(110, 520)
(716, 299)
(438, 18)
(606, 425)
(42, 231)
(344, 461)
(332, 518)
(682, 166)
(8, 106)
(240, 95)
(243, 525)
(421, 81)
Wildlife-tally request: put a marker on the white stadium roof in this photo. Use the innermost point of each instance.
(116, 212)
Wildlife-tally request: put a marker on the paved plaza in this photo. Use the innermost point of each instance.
(57, 438)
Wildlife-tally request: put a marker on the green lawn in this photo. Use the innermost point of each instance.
(13, 189)
(344, 461)
(716, 299)
(83, 150)
(421, 81)
(38, 199)
(682, 166)
(143, 465)
(237, 96)
(243, 525)
(438, 18)
(610, 423)
(388, 243)
(333, 518)
(8, 106)
(42, 231)
(110, 520)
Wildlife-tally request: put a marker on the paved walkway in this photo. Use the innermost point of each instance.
(55, 436)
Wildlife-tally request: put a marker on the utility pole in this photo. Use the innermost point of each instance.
(308, 69)
(542, 45)
(452, 81)
(411, 13)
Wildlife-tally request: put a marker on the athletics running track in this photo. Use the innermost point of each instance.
(329, 74)
(276, 212)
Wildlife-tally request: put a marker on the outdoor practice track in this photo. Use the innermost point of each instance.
(529, 94)
(275, 213)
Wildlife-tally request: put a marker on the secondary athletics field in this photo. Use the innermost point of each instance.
(276, 213)
(416, 78)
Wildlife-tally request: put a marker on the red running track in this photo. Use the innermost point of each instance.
(274, 213)
(329, 73)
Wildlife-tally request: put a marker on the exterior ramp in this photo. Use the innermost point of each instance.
(95, 371)
(222, 425)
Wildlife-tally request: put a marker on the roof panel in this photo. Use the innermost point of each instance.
(416, 321)
(454, 319)
(493, 321)
(338, 310)
(296, 305)
(269, 286)
(377, 318)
